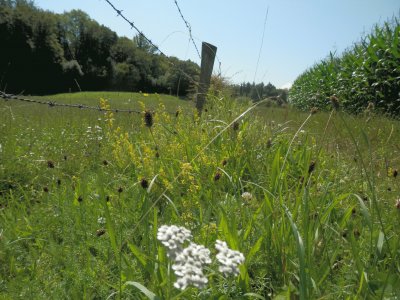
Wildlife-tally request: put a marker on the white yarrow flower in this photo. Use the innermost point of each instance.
(188, 266)
(173, 238)
(229, 259)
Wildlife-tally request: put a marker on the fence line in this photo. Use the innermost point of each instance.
(188, 27)
(132, 24)
(7, 97)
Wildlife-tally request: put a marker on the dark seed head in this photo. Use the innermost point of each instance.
(100, 232)
(224, 162)
(105, 163)
(120, 190)
(148, 118)
(58, 182)
(50, 164)
(353, 211)
(157, 154)
(45, 189)
(217, 176)
(65, 157)
(144, 183)
(314, 110)
(395, 173)
(356, 233)
(311, 167)
(80, 199)
(335, 102)
(235, 126)
(108, 198)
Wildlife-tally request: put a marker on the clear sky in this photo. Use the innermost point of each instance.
(298, 33)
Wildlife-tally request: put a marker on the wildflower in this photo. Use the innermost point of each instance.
(173, 238)
(101, 220)
(229, 259)
(188, 266)
(247, 196)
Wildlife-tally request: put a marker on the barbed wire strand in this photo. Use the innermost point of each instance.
(7, 97)
(132, 24)
(188, 26)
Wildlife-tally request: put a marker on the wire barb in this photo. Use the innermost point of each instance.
(132, 24)
(188, 27)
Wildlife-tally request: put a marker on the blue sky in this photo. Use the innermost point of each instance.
(298, 33)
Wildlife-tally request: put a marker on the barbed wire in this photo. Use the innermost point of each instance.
(50, 103)
(132, 24)
(188, 27)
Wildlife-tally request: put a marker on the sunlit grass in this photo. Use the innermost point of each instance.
(83, 194)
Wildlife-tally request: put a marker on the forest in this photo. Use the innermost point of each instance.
(47, 53)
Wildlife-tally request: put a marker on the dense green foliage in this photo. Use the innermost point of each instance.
(365, 76)
(42, 52)
(82, 194)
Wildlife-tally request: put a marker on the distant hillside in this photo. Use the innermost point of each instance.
(43, 52)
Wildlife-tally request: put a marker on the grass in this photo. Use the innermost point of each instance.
(322, 222)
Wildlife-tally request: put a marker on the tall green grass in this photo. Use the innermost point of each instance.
(322, 222)
(366, 76)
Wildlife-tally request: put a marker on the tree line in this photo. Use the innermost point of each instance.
(43, 52)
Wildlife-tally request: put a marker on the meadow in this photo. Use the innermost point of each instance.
(310, 199)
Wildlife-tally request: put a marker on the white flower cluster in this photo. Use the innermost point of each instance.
(173, 238)
(247, 196)
(228, 258)
(189, 262)
(188, 266)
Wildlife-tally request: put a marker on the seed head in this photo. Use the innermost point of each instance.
(50, 164)
(235, 125)
(335, 102)
(100, 232)
(314, 110)
(311, 167)
(395, 173)
(148, 118)
(217, 176)
(144, 183)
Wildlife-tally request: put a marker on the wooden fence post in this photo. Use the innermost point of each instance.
(208, 52)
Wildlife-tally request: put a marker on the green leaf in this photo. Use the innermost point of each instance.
(255, 249)
(143, 289)
(381, 238)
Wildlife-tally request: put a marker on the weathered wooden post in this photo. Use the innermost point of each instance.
(208, 52)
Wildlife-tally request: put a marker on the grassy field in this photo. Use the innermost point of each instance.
(83, 194)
